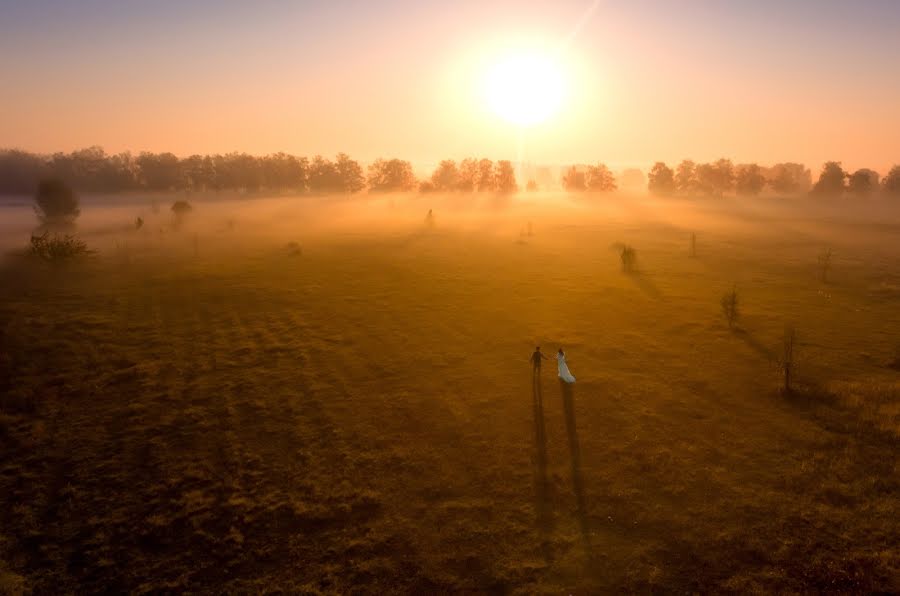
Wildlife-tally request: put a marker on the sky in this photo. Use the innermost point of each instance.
(645, 80)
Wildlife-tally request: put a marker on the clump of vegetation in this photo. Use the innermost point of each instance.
(294, 249)
(181, 208)
(825, 265)
(139, 223)
(788, 357)
(730, 307)
(629, 258)
(55, 247)
(56, 202)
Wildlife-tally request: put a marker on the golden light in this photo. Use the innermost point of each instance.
(525, 88)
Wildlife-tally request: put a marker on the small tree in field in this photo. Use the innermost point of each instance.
(730, 308)
(629, 258)
(56, 201)
(788, 355)
(825, 265)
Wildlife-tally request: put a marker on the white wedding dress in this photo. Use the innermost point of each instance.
(564, 373)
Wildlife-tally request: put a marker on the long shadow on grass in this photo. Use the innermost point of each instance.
(575, 453)
(541, 486)
(756, 345)
(644, 284)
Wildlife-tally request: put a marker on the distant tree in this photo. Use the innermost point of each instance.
(599, 178)
(446, 176)
(891, 183)
(749, 180)
(686, 177)
(21, 171)
(391, 175)
(831, 180)
(350, 172)
(730, 307)
(715, 178)
(55, 201)
(632, 178)
(468, 175)
(486, 180)
(426, 186)
(323, 175)
(159, 171)
(789, 178)
(531, 186)
(863, 182)
(661, 180)
(283, 171)
(574, 180)
(181, 208)
(505, 177)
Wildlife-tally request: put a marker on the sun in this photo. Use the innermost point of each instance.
(525, 88)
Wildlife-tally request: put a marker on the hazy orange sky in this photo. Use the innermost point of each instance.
(647, 80)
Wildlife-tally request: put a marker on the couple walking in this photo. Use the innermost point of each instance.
(563, 368)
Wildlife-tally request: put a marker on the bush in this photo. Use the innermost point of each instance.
(181, 208)
(53, 247)
(56, 201)
(629, 258)
(730, 308)
(825, 265)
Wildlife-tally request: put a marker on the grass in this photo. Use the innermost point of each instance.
(364, 418)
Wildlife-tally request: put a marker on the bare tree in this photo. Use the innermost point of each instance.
(730, 307)
(788, 356)
(825, 264)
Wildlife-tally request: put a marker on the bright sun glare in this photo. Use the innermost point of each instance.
(525, 88)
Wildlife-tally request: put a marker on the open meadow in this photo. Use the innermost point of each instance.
(332, 395)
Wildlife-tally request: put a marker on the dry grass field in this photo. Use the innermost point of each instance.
(208, 409)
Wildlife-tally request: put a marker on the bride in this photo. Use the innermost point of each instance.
(564, 373)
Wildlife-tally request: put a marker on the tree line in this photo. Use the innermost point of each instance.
(93, 170)
(722, 177)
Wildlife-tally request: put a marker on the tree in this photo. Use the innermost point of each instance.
(505, 177)
(600, 179)
(486, 181)
(468, 175)
(323, 175)
(159, 171)
(831, 180)
(891, 182)
(56, 201)
(574, 180)
(715, 178)
(686, 177)
(391, 175)
(531, 186)
(446, 176)
(863, 182)
(749, 180)
(730, 307)
(789, 178)
(661, 180)
(350, 173)
(632, 178)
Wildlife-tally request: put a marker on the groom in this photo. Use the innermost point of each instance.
(536, 361)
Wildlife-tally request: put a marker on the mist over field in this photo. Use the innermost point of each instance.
(314, 394)
(428, 297)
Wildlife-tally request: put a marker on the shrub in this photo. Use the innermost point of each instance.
(730, 307)
(825, 265)
(181, 208)
(629, 258)
(56, 201)
(53, 247)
